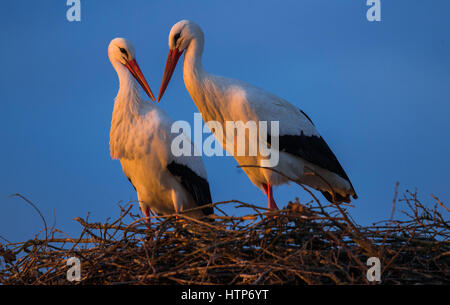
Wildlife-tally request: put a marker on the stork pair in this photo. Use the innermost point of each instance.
(165, 184)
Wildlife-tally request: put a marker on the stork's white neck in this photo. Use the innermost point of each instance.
(128, 99)
(193, 72)
(126, 110)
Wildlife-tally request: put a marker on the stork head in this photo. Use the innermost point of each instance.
(182, 33)
(180, 37)
(121, 51)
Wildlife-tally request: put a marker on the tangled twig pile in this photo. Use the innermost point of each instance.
(302, 244)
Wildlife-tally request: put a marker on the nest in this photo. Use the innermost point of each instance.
(306, 243)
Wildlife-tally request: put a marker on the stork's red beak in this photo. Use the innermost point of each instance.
(171, 63)
(137, 73)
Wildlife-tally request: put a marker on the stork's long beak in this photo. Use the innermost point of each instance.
(133, 66)
(171, 63)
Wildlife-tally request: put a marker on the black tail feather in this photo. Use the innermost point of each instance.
(338, 198)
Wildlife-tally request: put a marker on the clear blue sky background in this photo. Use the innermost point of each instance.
(378, 92)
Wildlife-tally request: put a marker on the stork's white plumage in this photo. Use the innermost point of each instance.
(140, 138)
(303, 154)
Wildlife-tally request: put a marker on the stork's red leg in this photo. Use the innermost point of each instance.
(269, 193)
(147, 219)
(147, 215)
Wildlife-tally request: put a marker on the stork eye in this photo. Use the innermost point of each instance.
(175, 38)
(124, 51)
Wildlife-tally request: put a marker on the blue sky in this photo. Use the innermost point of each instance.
(379, 93)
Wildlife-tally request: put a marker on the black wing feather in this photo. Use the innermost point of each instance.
(313, 149)
(197, 186)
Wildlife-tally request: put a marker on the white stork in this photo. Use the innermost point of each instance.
(304, 156)
(140, 138)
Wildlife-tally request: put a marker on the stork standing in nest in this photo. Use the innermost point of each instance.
(141, 139)
(304, 156)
